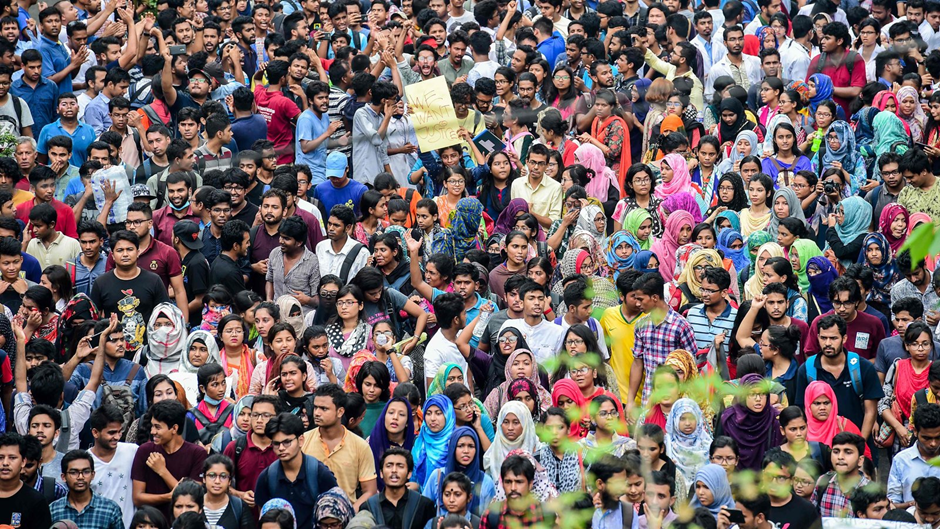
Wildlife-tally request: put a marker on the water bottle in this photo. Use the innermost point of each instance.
(481, 323)
(817, 141)
(117, 176)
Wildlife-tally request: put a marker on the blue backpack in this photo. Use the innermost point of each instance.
(855, 370)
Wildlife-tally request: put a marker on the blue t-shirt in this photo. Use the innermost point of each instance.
(311, 127)
(349, 195)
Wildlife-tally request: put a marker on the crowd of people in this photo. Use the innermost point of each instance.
(662, 281)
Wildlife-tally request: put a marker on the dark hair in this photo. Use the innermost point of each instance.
(789, 414)
(448, 307)
(76, 455)
(334, 392)
(865, 496)
(782, 267)
(723, 441)
(147, 514)
(285, 423)
(518, 465)
(782, 459)
(927, 416)
(169, 412)
(379, 373)
(849, 438)
(47, 383)
(43, 409)
(397, 451)
(193, 489)
(650, 284)
(845, 284)
(926, 491)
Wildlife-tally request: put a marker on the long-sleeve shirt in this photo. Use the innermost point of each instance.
(304, 276)
(669, 70)
(370, 149)
(116, 377)
(79, 412)
(97, 114)
(907, 466)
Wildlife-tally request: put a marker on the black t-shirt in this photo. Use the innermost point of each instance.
(133, 300)
(146, 170)
(796, 514)
(27, 509)
(247, 214)
(195, 279)
(225, 272)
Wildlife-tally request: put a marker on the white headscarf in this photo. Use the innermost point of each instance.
(165, 345)
(528, 440)
(688, 452)
(186, 374)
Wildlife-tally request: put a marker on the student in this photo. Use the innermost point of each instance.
(543, 336)
(521, 509)
(112, 458)
(441, 349)
(834, 488)
(926, 503)
(20, 505)
(755, 511)
(186, 242)
(456, 493)
(905, 311)
(44, 424)
(777, 473)
(660, 496)
(160, 464)
(870, 502)
(609, 475)
(82, 506)
(222, 509)
(212, 412)
(48, 245)
(397, 465)
(254, 452)
(911, 463)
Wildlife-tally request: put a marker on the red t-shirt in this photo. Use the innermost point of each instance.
(157, 258)
(840, 75)
(250, 463)
(278, 111)
(863, 335)
(65, 218)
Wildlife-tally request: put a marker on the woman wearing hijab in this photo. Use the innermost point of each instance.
(690, 281)
(526, 392)
(876, 254)
(726, 220)
(891, 135)
(731, 196)
(621, 253)
(280, 504)
(78, 310)
(567, 395)
(241, 413)
(506, 221)
(745, 144)
(851, 218)
(801, 251)
(459, 459)
(753, 242)
(647, 262)
(821, 273)
(793, 209)
(675, 176)
(514, 430)
(439, 384)
(588, 221)
(731, 244)
(687, 440)
(678, 232)
(639, 224)
(821, 89)
(379, 439)
(755, 285)
(465, 226)
(839, 146)
(728, 129)
(911, 113)
(333, 509)
(681, 201)
(752, 422)
(521, 363)
(775, 122)
(508, 340)
(893, 223)
(607, 183)
(200, 349)
(823, 421)
(640, 106)
(715, 479)
(164, 343)
(291, 313)
(430, 446)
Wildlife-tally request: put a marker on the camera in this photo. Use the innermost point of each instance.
(830, 187)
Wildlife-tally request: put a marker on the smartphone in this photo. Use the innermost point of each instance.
(178, 49)
(95, 339)
(919, 144)
(735, 516)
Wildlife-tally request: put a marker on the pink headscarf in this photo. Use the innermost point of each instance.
(821, 431)
(888, 214)
(592, 158)
(665, 247)
(681, 181)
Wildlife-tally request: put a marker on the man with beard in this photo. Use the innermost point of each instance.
(916, 284)
(922, 194)
(234, 243)
(286, 181)
(892, 183)
(521, 509)
(865, 331)
(681, 63)
(424, 68)
(853, 378)
(456, 65)
(609, 485)
(769, 308)
(17, 499)
(244, 29)
(179, 191)
(744, 69)
(314, 130)
(112, 458)
(180, 156)
(397, 504)
(82, 506)
(912, 462)
(292, 256)
(265, 238)
(158, 138)
(601, 76)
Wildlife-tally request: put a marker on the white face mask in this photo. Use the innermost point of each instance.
(381, 339)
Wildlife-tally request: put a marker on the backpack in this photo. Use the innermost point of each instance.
(311, 471)
(140, 93)
(786, 174)
(155, 119)
(48, 489)
(210, 427)
(855, 370)
(850, 57)
(7, 122)
(120, 395)
(240, 445)
(825, 480)
(348, 262)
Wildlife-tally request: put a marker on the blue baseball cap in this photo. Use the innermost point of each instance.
(336, 164)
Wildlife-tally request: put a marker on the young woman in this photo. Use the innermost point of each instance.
(778, 346)
(752, 422)
(562, 461)
(517, 138)
(455, 185)
(821, 273)
(640, 188)
(771, 89)
(808, 471)
(37, 315)
(745, 144)
(237, 358)
(188, 496)
(932, 130)
(605, 179)
(733, 121)
(681, 201)
(666, 392)
(876, 254)
(348, 332)
(373, 383)
(292, 379)
(525, 391)
(621, 252)
(730, 198)
(519, 364)
(609, 133)
(785, 205)
(674, 171)
(212, 412)
(609, 433)
(430, 446)
(657, 95)
(200, 349)
(793, 427)
(245, 303)
(904, 378)
(731, 245)
(791, 106)
(221, 508)
(839, 151)
(757, 216)
(560, 93)
(911, 113)
(389, 258)
(779, 270)
(583, 364)
(333, 510)
(639, 224)
(823, 420)
(712, 489)
(801, 251)
(166, 333)
(395, 427)
(787, 158)
(316, 346)
(824, 115)
(705, 173)
(724, 453)
(687, 440)
(678, 232)
(463, 455)
(704, 235)
(374, 207)
(494, 192)
(147, 517)
(850, 221)
(56, 278)
(515, 430)
(159, 388)
(893, 224)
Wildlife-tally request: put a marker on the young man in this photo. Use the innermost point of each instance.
(659, 333)
(158, 139)
(19, 123)
(348, 456)
(714, 318)
(795, 52)
(179, 192)
(544, 337)
(37, 93)
(112, 458)
(916, 284)
(187, 243)
(247, 127)
(926, 505)
(844, 67)
(544, 195)
(97, 113)
(521, 509)
(280, 112)
(45, 423)
(89, 264)
(32, 477)
(339, 189)
(836, 487)
(254, 452)
(128, 290)
(660, 498)
(293, 269)
(870, 502)
(913, 462)
(42, 184)
(772, 306)
(619, 324)
(396, 499)
(456, 66)
(58, 155)
(865, 278)
(734, 61)
(578, 298)
(314, 130)
(489, 340)
(48, 245)
(181, 159)
(341, 255)
(235, 242)
(756, 513)
(20, 506)
(892, 182)
(786, 509)
(610, 484)
(68, 125)
(218, 204)
(265, 238)
(441, 349)
(681, 63)
(160, 464)
(82, 506)
(906, 311)
(120, 375)
(213, 154)
(369, 128)
(865, 332)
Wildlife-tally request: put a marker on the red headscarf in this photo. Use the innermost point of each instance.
(567, 388)
(824, 431)
(888, 214)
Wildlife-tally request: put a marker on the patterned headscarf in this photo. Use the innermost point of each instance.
(618, 264)
(165, 344)
(665, 248)
(465, 225)
(688, 451)
(762, 34)
(586, 220)
(80, 307)
(755, 241)
(681, 201)
(847, 154)
(279, 503)
(587, 241)
(358, 360)
(918, 119)
(334, 504)
(888, 214)
(519, 385)
(739, 257)
(690, 277)
(886, 273)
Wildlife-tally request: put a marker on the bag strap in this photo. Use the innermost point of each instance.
(411, 507)
(821, 488)
(132, 375)
(921, 397)
(855, 372)
(626, 515)
(237, 507)
(376, 509)
(18, 109)
(201, 417)
(349, 260)
(65, 432)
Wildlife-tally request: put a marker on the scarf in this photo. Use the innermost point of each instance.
(643, 261)
(917, 218)
(593, 160)
(727, 132)
(753, 242)
(618, 264)
(748, 136)
(681, 180)
(244, 371)
(755, 432)
(890, 134)
(545, 398)
(847, 153)
(816, 430)
(506, 220)
(244, 402)
(632, 222)
(586, 220)
(665, 248)
(587, 241)
(430, 448)
(474, 470)
(640, 107)
(690, 277)
(568, 388)
(291, 313)
(682, 360)
(358, 360)
(681, 201)
(775, 121)
(496, 373)
(521, 385)
(80, 307)
(918, 119)
(378, 438)
(716, 479)
(909, 382)
(739, 257)
(465, 225)
(882, 98)
(886, 274)
(732, 218)
(864, 133)
(823, 90)
(347, 347)
(751, 224)
(804, 250)
(501, 446)
(793, 203)
(755, 285)
(165, 345)
(279, 503)
(888, 215)
(819, 283)
(857, 218)
(688, 452)
(334, 504)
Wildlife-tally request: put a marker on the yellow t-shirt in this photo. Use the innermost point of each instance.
(620, 335)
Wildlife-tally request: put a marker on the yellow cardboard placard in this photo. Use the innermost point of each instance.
(432, 114)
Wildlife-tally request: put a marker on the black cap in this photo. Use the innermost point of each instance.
(188, 233)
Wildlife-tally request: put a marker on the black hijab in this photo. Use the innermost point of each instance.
(496, 374)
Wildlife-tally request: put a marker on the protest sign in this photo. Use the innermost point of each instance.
(432, 114)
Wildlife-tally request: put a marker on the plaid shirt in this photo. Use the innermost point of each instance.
(60, 490)
(834, 503)
(533, 517)
(655, 341)
(101, 513)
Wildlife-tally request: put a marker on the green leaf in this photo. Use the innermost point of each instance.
(920, 242)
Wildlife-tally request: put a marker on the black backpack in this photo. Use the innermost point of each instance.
(210, 428)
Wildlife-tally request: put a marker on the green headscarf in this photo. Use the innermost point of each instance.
(755, 241)
(889, 131)
(632, 222)
(806, 249)
(439, 382)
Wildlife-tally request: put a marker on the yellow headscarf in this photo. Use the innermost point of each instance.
(755, 285)
(682, 360)
(688, 275)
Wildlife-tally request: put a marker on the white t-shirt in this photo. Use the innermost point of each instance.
(83, 100)
(113, 479)
(439, 352)
(544, 339)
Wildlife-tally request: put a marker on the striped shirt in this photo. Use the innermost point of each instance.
(706, 330)
(338, 101)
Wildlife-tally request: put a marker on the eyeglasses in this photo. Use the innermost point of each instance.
(890, 173)
(562, 78)
(238, 189)
(85, 472)
(213, 476)
(708, 291)
(699, 268)
(199, 80)
(346, 303)
(234, 332)
(779, 479)
(285, 443)
(465, 407)
(508, 339)
(134, 223)
(579, 371)
(674, 104)
(456, 182)
(724, 459)
(844, 303)
(920, 346)
(333, 525)
(608, 414)
(328, 294)
(642, 181)
(256, 415)
(574, 342)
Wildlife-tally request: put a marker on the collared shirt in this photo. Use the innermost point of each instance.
(207, 160)
(749, 73)
(332, 262)
(906, 467)
(310, 127)
(654, 341)
(62, 182)
(834, 502)
(545, 199)
(60, 489)
(55, 58)
(41, 100)
(706, 330)
(304, 276)
(97, 114)
(794, 58)
(338, 101)
(544, 339)
(82, 137)
(905, 289)
(100, 513)
(250, 463)
(84, 276)
(158, 258)
(164, 219)
(62, 250)
(370, 151)
(450, 73)
(351, 461)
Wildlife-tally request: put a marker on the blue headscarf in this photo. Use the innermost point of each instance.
(474, 471)
(738, 257)
(846, 154)
(886, 274)
(430, 450)
(732, 217)
(819, 283)
(465, 224)
(279, 503)
(823, 90)
(378, 439)
(643, 260)
(716, 479)
(618, 264)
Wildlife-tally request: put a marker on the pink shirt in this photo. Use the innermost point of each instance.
(278, 112)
